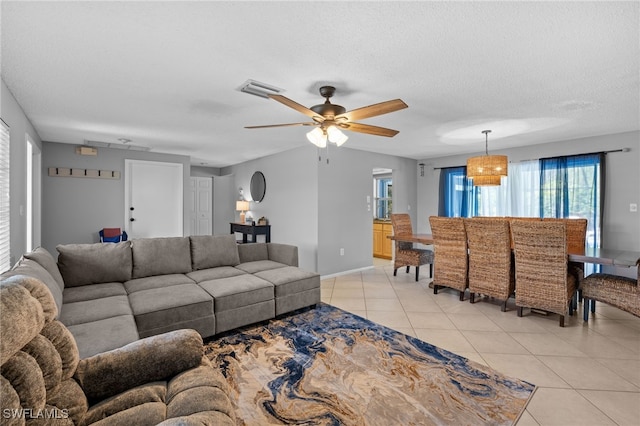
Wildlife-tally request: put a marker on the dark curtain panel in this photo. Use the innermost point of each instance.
(572, 186)
(455, 192)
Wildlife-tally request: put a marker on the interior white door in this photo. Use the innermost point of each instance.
(154, 199)
(201, 216)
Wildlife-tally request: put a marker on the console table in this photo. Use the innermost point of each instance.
(253, 230)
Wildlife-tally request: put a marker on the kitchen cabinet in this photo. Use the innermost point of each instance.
(382, 244)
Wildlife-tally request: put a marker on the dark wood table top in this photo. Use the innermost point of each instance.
(601, 256)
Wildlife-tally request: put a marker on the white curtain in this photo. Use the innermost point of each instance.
(518, 194)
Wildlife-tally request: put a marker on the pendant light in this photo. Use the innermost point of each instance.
(487, 170)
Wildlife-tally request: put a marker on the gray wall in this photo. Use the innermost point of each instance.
(322, 207)
(345, 220)
(621, 228)
(75, 209)
(291, 198)
(19, 127)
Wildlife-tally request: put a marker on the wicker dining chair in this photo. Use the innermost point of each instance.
(618, 291)
(576, 240)
(451, 263)
(543, 280)
(491, 270)
(405, 254)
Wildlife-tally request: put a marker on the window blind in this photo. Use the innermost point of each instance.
(5, 241)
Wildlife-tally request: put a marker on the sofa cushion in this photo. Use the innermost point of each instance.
(259, 265)
(253, 252)
(104, 335)
(233, 292)
(92, 291)
(214, 273)
(46, 260)
(158, 281)
(82, 264)
(94, 310)
(210, 251)
(160, 256)
(139, 395)
(290, 280)
(33, 269)
(166, 307)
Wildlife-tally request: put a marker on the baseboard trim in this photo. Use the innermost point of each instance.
(351, 271)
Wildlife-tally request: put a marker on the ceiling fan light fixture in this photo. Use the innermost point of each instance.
(487, 170)
(317, 137)
(336, 136)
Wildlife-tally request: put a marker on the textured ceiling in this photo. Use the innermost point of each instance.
(166, 74)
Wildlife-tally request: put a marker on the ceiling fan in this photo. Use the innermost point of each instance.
(328, 118)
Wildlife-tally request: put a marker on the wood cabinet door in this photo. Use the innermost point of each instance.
(377, 240)
(386, 242)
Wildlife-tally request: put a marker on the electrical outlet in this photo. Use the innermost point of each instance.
(341, 252)
(633, 207)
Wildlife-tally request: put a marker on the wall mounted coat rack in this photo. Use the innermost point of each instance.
(83, 173)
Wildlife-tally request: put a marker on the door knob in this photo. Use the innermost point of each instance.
(132, 220)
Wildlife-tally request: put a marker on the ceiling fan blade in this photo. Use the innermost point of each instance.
(310, 123)
(300, 108)
(369, 129)
(373, 110)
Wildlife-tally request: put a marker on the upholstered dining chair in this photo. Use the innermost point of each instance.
(450, 254)
(491, 270)
(618, 291)
(543, 280)
(405, 254)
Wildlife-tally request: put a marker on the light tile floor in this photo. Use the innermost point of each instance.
(586, 374)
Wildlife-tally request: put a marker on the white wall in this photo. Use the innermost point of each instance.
(621, 228)
(19, 127)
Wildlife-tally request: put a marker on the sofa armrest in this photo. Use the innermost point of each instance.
(147, 360)
(283, 253)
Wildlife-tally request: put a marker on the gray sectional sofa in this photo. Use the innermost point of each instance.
(109, 295)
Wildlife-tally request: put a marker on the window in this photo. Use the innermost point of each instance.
(5, 212)
(383, 193)
(562, 187)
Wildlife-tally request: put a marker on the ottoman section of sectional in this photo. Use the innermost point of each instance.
(170, 302)
(294, 288)
(240, 300)
(99, 324)
(104, 335)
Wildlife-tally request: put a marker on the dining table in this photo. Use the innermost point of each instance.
(595, 255)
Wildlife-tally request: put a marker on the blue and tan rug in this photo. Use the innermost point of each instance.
(325, 366)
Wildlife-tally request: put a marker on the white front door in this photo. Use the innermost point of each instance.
(154, 199)
(201, 205)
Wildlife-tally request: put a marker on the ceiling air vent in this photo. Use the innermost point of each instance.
(256, 88)
(129, 147)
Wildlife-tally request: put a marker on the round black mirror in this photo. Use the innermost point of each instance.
(258, 187)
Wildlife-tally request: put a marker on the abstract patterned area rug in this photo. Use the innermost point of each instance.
(325, 366)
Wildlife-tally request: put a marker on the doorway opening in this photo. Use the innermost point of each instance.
(382, 209)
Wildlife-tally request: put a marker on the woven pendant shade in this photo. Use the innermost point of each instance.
(486, 170)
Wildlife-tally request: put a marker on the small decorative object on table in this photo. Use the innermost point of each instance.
(263, 221)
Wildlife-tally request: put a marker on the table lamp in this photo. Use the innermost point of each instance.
(242, 206)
